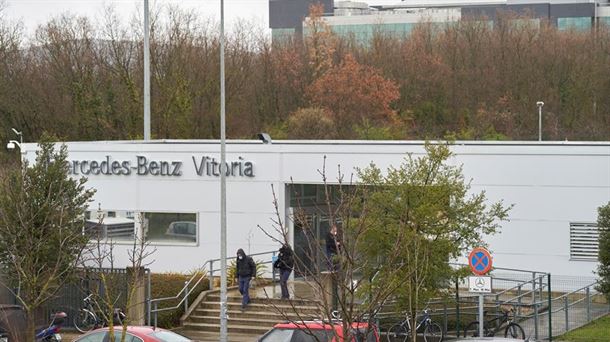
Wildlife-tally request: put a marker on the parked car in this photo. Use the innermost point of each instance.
(315, 331)
(492, 339)
(134, 334)
(186, 229)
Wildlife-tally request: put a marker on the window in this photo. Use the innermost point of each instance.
(128, 337)
(584, 241)
(114, 225)
(95, 337)
(170, 227)
(278, 335)
(168, 336)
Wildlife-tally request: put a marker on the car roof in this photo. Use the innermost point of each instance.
(317, 325)
(490, 339)
(133, 329)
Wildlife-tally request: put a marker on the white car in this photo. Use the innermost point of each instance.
(182, 229)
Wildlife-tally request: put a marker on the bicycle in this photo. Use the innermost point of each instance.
(401, 331)
(512, 329)
(87, 319)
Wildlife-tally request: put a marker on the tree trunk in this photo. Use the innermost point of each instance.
(30, 328)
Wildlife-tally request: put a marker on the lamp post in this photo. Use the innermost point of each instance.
(14, 143)
(223, 186)
(540, 104)
(146, 72)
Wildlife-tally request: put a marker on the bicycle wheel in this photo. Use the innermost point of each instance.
(84, 321)
(514, 330)
(398, 332)
(433, 333)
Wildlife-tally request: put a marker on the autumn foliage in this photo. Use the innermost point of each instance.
(467, 79)
(354, 93)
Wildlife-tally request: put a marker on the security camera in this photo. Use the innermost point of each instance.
(539, 103)
(10, 145)
(264, 137)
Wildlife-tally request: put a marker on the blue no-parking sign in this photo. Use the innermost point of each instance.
(480, 261)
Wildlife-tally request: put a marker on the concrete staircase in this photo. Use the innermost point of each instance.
(203, 322)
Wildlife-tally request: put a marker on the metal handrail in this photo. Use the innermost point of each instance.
(502, 269)
(578, 290)
(186, 290)
(212, 261)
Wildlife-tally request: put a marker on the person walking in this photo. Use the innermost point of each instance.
(332, 247)
(285, 263)
(245, 269)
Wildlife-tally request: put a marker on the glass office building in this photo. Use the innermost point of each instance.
(360, 21)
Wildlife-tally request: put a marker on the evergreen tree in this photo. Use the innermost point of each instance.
(41, 228)
(603, 270)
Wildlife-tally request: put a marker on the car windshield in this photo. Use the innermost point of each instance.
(168, 336)
(296, 335)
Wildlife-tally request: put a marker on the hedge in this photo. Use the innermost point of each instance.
(168, 285)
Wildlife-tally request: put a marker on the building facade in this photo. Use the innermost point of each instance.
(168, 193)
(361, 20)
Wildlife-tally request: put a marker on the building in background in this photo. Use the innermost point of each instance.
(361, 20)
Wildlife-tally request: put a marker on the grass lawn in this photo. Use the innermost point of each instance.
(598, 330)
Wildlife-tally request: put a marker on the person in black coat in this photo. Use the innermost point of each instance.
(333, 245)
(245, 269)
(285, 263)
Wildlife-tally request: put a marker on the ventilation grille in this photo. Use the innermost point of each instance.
(584, 241)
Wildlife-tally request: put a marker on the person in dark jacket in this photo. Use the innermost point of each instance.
(332, 247)
(245, 269)
(285, 263)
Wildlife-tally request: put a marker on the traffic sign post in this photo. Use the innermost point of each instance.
(479, 284)
(480, 262)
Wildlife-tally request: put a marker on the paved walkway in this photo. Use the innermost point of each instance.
(577, 317)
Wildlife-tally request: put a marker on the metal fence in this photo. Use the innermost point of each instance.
(543, 305)
(69, 298)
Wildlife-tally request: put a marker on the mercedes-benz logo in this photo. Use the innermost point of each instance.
(480, 282)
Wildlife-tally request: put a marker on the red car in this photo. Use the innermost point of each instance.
(134, 334)
(315, 331)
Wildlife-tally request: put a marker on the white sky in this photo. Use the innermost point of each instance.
(35, 12)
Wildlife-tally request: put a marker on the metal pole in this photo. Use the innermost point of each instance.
(186, 296)
(539, 123)
(565, 308)
(533, 287)
(148, 290)
(156, 314)
(457, 306)
(223, 186)
(588, 299)
(481, 320)
(518, 313)
(536, 318)
(146, 73)
(211, 275)
(550, 309)
(445, 317)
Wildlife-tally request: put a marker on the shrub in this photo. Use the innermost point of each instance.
(311, 123)
(168, 285)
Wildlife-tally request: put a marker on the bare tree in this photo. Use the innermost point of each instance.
(118, 287)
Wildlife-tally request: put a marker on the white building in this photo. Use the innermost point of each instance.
(556, 188)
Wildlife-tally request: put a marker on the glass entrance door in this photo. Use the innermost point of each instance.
(310, 231)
